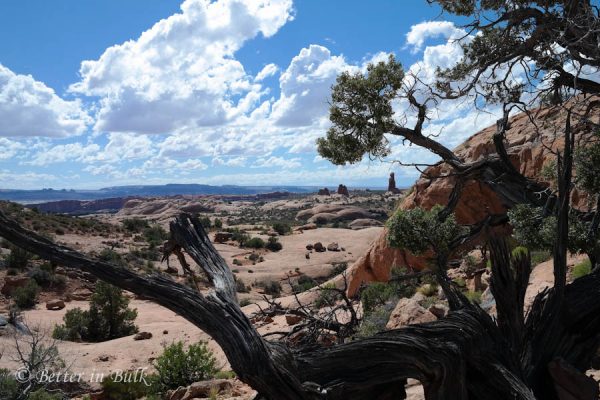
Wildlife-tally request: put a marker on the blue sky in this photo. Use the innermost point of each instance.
(102, 93)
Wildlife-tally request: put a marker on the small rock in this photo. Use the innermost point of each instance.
(319, 248)
(272, 233)
(333, 246)
(307, 255)
(55, 305)
(439, 310)
(103, 358)
(81, 295)
(309, 247)
(142, 336)
(3, 321)
(408, 312)
(292, 319)
(165, 332)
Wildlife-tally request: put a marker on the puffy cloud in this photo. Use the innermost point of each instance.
(305, 86)
(419, 33)
(9, 148)
(181, 73)
(124, 146)
(267, 71)
(30, 108)
(64, 152)
(277, 162)
(230, 162)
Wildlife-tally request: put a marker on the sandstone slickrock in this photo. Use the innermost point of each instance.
(327, 213)
(142, 336)
(528, 150)
(363, 223)
(408, 312)
(199, 389)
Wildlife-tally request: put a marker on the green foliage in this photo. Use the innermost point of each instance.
(218, 223)
(535, 232)
(17, 258)
(270, 287)
(25, 297)
(520, 251)
(375, 321)
(282, 228)
(273, 244)
(255, 243)
(236, 262)
(225, 375)
(581, 269)
(473, 297)
(587, 167)
(304, 283)
(179, 367)
(107, 318)
(111, 256)
(205, 222)
(46, 278)
(361, 113)
(419, 230)
(114, 388)
(240, 286)
(134, 225)
(327, 296)
(9, 387)
(376, 294)
(155, 235)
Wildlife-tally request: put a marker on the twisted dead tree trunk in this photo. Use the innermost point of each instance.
(466, 355)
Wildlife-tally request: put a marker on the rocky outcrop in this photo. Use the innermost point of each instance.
(343, 190)
(83, 207)
(408, 312)
(392, 184)
(528, 149)
(54, 305)
(13, 282)
(363, 223)
(324, 192)
(328, 213)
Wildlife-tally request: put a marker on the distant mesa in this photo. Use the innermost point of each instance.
(343, 190)
(392, 184)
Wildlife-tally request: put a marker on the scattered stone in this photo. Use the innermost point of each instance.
(324, 192)
(222, 237)
(343, 190)
(165, 332)
(307, 255)
(333, 246)
(55, 304)
(408, 312)
(292, 319)
(309, 247)
(272, 233)
(319, 248)
(103, 358)
(142, 336)
(13, 282)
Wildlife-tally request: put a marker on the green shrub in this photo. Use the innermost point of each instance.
(270, 287)
(240, 286)
(9, 387)
(107, 318)
(255, 243)
(114, 388)
(111, 256)
(135, 225)
(540, 256)
(282, 228)
(327, 297)
(225, 375)
(17, 258)
(375, 294)
(218, 223)
(205, 222)
(236, 262)
(375, 321)
(304, 283)
(177, 367)
(155, 235)
(273, 244)
(245, 302)
(253, 257)
(581, 269)
(520, 251)
(25, 296)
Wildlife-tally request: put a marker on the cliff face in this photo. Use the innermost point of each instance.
(529, 149)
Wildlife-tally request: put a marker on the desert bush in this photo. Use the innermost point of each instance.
(282, 228)
(520, 251)
(236, 262)
(25, 297)
(304, 283)
(155, 235)
(375, 321)
(177, 367)
(245, 302)
(539, 256)
(205, 222)
(375, 294)
(218, 223)
(327, 297)
(9, 387)
(46, 278)
(270, 287)
(134, 225)
(240, 286)
(108, 317)
(273, 244)
(17, 258)
(255, 243)
(111, 256)
(474, 297)
(581, 269)
(42, 394)
(253, 257)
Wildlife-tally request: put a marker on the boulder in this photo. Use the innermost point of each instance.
(80, 295)
(222, 237)
(318, 247)
(13, 282)
(408, 312)
(55, 304)
(439, 310)
(343, 190)
(362, 223)
(142, 336)
(3, 321)
(333, 246)
(309, 247)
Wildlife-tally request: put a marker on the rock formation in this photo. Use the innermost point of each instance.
(392, 184)
(529, 151)
(324, 192)
(343, 190)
